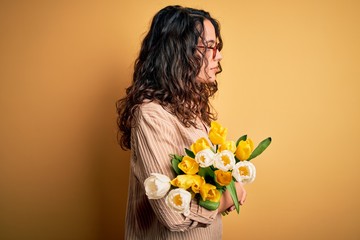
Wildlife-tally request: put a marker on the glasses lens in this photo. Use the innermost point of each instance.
(215, 48)
(214, 51)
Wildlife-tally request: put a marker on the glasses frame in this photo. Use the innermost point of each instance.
(214, 48)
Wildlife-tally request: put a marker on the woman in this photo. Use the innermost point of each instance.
(165, 110)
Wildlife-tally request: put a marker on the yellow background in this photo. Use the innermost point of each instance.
(291, 71)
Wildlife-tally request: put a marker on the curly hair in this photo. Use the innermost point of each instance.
(167, 68)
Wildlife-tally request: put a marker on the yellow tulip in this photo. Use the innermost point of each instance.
(183, 181)
(217, 133)
(199, 145)
(188, 165)
(244, 149)
(228, 145)
(209, 192)
(223, 178)
(198, 181)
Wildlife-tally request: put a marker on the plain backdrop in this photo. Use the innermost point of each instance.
(291, 71)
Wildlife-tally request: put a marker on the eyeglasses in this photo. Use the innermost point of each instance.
(214, 48)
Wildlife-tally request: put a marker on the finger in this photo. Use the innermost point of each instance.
(243, 198)
(232, 208)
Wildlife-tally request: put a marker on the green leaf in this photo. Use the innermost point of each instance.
(208, 174)
(209, 204)
(242, 138)
(189, 153)
(232, 190)
(175, 162)
(260, 148)
(178, 157)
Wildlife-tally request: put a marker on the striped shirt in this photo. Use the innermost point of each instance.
(155, 135)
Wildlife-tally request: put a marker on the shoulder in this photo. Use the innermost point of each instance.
(154, 113)
(151, 108)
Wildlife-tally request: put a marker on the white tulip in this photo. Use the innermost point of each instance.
(179, 200)
(157, 185)
(244, 171)
(224, 160)
(205, 158)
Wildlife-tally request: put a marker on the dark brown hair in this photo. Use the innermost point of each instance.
(167, 68)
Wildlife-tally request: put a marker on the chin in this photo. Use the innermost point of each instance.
(208, 79)
(211, 79)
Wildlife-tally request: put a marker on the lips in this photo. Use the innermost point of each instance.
(215, 68)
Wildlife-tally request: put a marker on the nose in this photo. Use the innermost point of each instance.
(218, 56)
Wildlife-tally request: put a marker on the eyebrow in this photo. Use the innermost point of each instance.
(210, 43)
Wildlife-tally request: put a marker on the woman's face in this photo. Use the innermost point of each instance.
(208, 73)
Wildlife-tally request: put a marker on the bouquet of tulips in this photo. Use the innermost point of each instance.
(207, 170)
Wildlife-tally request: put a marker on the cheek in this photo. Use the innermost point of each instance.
(205, 74)
(202, 74)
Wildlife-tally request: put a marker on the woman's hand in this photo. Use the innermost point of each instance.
(226, 202)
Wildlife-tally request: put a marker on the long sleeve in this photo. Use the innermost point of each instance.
(155, 136)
